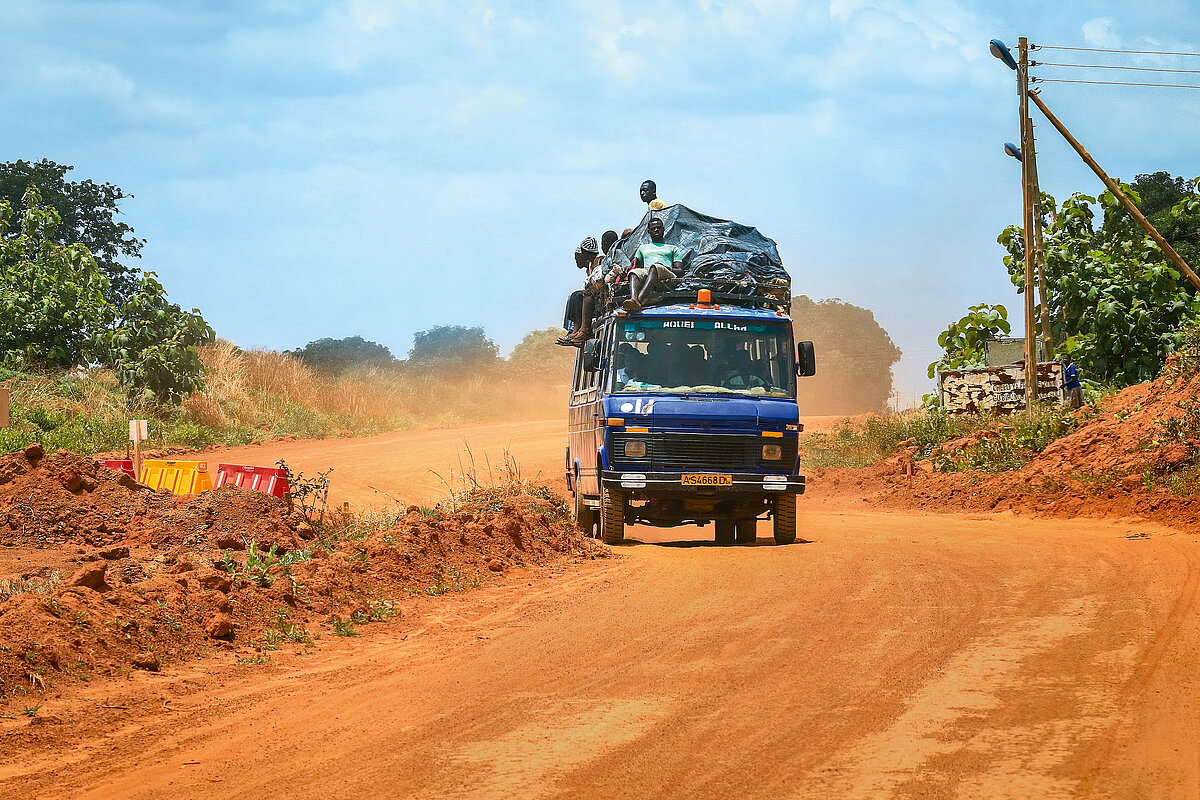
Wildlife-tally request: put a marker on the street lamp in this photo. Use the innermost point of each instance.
(1013, 151)
(1001, 51)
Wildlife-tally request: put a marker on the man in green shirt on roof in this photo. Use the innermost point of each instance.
(653, 265)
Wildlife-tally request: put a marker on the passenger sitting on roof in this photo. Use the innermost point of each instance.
(577, 318)
(648, 191)
(654, 264)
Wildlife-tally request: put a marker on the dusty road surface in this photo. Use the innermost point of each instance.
(407, 464)
(411, 465)
(888, 656)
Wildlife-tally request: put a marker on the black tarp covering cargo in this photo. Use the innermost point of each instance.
(718, 254)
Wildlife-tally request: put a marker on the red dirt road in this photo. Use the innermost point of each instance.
(891, 656)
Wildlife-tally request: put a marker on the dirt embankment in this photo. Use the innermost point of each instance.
(100, 575)
(1118, 462)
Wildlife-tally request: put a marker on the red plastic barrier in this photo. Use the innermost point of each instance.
(269, 480)
(119, 465)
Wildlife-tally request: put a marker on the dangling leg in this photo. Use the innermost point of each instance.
(637, 289)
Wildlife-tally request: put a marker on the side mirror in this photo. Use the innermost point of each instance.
(591, 355)
(806, 360)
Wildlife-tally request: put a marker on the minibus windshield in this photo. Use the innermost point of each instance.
(694, 356)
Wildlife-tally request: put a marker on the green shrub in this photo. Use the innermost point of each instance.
(44, 418)
(190, 434)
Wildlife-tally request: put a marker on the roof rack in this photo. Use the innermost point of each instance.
(716, 298)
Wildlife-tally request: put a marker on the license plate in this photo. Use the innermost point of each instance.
(707, 480)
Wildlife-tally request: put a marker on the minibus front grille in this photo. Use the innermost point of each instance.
(701, 451)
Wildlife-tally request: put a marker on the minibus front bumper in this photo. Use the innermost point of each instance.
(676, 483)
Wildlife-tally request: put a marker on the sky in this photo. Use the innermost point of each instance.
(304, 169)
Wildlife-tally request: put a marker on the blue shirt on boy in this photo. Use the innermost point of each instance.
(1072, 376)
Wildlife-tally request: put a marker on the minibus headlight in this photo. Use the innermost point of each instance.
(635, 449)
(772, 452)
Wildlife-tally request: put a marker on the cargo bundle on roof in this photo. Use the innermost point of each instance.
(728, 258)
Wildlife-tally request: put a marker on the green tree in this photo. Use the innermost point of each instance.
(153, 346)
(52, 295)
(1115, 301)
(338, 355)
(87, 213)
(453, 346)
(964, 342)
(538, 356)
(854, 357)
(1160, 195)
(57, 315)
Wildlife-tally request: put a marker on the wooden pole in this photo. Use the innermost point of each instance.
(1039, 252)
(1115, 188)
(1030, 238)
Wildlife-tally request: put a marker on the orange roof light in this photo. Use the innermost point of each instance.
(704, 296)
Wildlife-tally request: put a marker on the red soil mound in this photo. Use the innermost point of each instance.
(99, 574)
(1108, 466)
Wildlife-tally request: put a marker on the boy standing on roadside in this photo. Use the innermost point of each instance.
(1073, 386)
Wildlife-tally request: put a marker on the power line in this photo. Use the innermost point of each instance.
(1106, 50)
(1111, 66)
(1117, 83)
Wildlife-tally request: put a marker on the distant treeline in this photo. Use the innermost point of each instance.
(455, 348)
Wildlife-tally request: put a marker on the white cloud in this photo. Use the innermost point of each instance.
(1101, 32)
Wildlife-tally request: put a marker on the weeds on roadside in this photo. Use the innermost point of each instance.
(309, 496)
(259, 564)
(381, 610)
(31, 711)
(860, 444)
(40, 586)
(1016, 440)
(344, 627)
(450, 581)
(489, 485)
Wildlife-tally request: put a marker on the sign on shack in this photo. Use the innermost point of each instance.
(998, 389)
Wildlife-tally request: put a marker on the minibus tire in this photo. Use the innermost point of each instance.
(725, 531)
(747, 531)
(585, 517)
(785, 519)
(612, 516)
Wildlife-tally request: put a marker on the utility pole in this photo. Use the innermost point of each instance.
(1039, 252)
(1115, 188)
(1030, 238)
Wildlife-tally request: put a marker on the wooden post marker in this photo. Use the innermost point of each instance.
(5, 399)
(1029, 235)
(139, 431)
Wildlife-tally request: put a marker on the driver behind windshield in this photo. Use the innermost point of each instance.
(738, 371)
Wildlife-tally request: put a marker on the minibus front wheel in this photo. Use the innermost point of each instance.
(612, 516)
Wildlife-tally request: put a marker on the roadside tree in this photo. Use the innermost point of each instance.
(57, 314)
(153, 346)
(964, 342)
(338, 355)
(1114, 300)
(537, 355)
(854, 357)
(87, 213)
(53, 295)
(453, 346)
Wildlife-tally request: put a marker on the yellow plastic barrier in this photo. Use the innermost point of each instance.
(177, 477)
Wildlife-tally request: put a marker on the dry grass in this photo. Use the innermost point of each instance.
(269, 391)
(259, 394)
